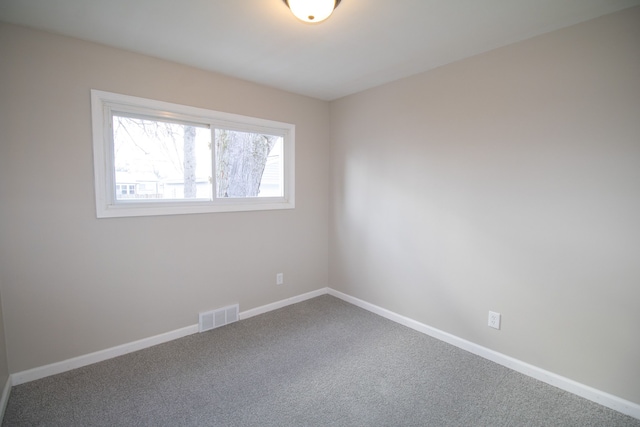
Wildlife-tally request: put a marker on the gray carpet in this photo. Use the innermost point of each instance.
(322, 362)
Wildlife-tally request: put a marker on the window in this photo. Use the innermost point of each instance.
(158, 158)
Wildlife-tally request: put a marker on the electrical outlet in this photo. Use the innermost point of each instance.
(279, 279)
(494, 320)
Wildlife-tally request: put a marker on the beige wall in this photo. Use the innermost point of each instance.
(73, 284)
(509, 181)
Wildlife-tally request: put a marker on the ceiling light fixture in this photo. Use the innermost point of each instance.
(312, 10)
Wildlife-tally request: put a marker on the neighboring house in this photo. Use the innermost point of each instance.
(137, 186)
(271, 183)
(174, 188)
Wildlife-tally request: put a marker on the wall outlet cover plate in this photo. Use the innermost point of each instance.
(494, 320)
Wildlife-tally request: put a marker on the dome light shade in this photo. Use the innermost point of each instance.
(312, 10)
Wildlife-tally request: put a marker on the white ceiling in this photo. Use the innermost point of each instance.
(363, 44)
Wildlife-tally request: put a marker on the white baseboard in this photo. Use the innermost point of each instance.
(6, 391)
(99, 356)
(590, 393)
(282, 303)
(605, 399)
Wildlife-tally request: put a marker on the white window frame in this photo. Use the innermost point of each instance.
(104, 104)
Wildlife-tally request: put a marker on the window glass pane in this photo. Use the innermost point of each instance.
(248, 164)
(161, 160)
